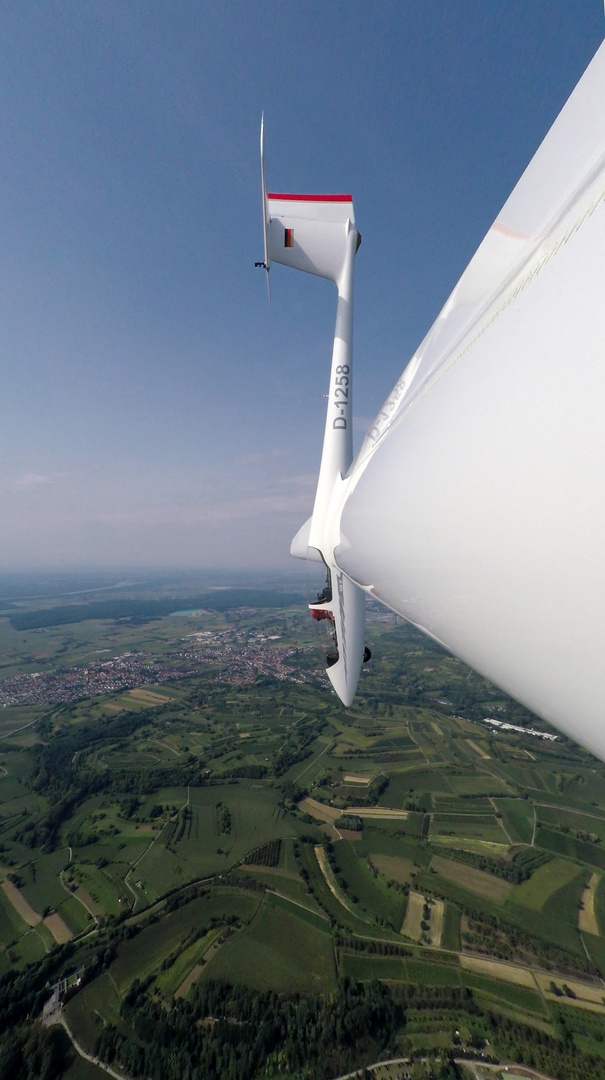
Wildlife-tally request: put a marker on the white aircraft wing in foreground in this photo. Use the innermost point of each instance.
(476, 506)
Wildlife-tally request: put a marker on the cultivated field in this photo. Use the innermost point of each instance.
(583, 995)
(518, 819)
(58, 928)
(544, 883)
(467, 826)
(497, 969)
(413, 917)
(319, 811)
(478, 750)
(277, 951)
(147, 697)
(437, 918)
(20, 904)
(221, 768)
(587, 917)
(488, 885)
(330, 880)
(394, 867)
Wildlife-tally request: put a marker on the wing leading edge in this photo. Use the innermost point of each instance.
(476, 506)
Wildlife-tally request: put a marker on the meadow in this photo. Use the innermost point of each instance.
(545, 883)
(278, 951)
(476, 881)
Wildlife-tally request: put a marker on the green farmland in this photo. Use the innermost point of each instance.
(545, 883)
(156, 843)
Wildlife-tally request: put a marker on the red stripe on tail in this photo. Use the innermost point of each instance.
(310, 198)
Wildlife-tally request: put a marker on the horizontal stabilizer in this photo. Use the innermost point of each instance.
(309, 232)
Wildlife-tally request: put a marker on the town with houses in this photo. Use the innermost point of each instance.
(237, 657)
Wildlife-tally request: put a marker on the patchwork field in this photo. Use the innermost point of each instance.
(277, 951)
(476, 863)
(518, 819)
(330, 879)
(583, 995)
(140, 956)
(20, 904)
(319, 810)
(498, 970)
(573, 821)
(205, 950)
(394, 867)
(148, 697)
(488, 885)
(544, 883)
(571, 847)
(436, 922)
(467, 826)
(372, 898)
(413, 916)
(478, 749)
(58, 928)
(587, 916)
(12, 924)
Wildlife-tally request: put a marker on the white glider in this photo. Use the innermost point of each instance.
(476, 505)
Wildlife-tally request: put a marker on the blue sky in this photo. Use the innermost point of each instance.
(155, 409)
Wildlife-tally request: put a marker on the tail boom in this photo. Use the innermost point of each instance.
(316, 234)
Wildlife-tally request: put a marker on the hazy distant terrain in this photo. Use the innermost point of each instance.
(192, 827)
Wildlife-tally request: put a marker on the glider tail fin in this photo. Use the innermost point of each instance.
(309, 232)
